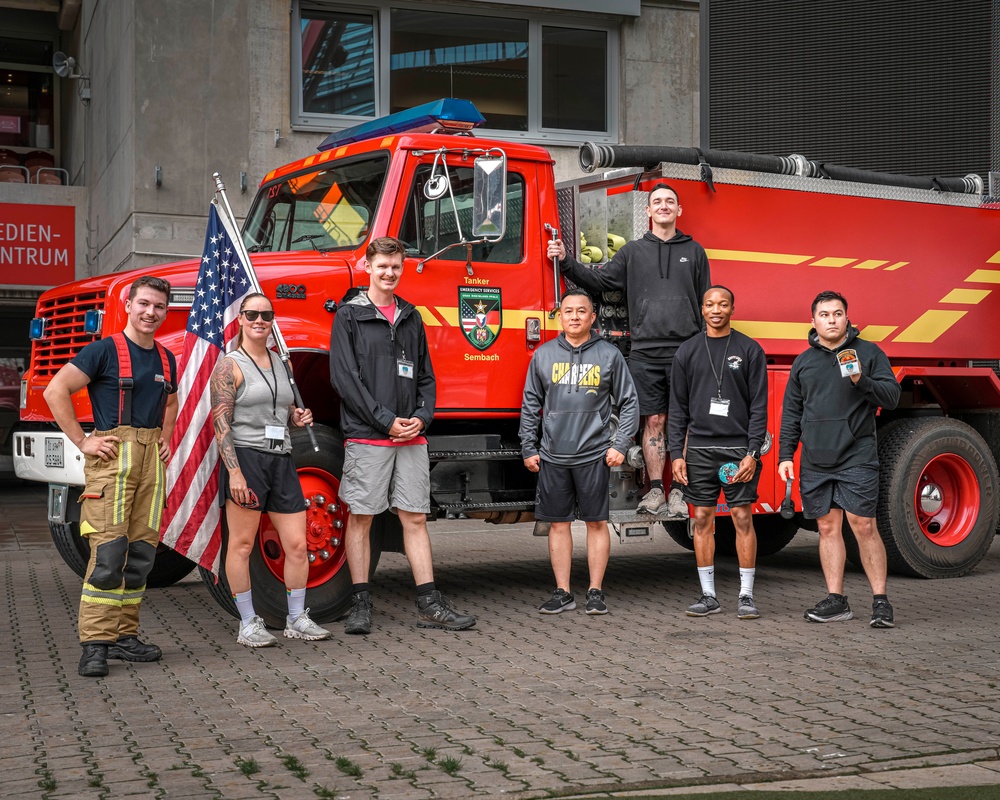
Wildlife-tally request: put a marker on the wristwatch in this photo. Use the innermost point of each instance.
(754, 454)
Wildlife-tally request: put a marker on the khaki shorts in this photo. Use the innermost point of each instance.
(377, 478)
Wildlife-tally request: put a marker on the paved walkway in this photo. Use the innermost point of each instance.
(523, 705)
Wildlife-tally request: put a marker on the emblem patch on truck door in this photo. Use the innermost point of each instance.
(482, 315)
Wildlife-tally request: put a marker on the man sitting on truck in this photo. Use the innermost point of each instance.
(664, 275)
(131, 380)
(834, 390)
(381, 368)
(573, 384)
(718, 403)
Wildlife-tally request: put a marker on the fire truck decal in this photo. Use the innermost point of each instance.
(793, 259)
(482, 315)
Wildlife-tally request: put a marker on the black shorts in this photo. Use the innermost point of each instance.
(568, 493)
(854, 489)
(272, 477)
(704, 482)
(652, 380)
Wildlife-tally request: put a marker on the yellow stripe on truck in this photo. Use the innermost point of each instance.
(930, 325)
(758, 258)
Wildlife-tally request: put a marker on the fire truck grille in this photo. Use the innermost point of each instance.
(64, 335)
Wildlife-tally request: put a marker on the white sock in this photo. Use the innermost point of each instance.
(746, 581)
(707, 577)
(296, 603)
(244, 604)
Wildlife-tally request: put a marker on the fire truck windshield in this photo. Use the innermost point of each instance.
(325, 209)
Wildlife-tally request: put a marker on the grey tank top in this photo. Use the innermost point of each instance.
(257, 406)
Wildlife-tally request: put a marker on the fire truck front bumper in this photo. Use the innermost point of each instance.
(48, 457)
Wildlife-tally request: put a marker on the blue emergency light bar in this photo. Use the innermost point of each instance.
(449, 114)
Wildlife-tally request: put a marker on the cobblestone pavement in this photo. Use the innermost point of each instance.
(523, 705)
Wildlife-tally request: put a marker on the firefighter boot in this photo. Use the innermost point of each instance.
(94, 661)
(129, 648)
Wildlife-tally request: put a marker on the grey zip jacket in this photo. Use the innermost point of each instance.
(570, 393)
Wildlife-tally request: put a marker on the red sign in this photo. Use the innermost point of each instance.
(37, 244)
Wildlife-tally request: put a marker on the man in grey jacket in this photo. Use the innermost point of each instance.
(574, 383)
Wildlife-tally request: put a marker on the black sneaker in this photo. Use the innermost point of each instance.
(832, 608)
(360, 619)
(560, 601)
(434, 611)
(129, 648)
(595, 602)
(882, 614)
(94, 661)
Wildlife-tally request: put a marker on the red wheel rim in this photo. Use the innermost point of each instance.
(946, 500)
(326, 521)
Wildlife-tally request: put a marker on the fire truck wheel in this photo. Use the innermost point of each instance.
(329, 581)
(939, 497)
(168, 568)
(678, 531)
(773, 534)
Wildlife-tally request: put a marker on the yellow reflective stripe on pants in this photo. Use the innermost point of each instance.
(121, 482)
(132, 597)
(102, 597)
(159, 488)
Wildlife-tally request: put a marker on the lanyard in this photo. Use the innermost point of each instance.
(267, 383)
(718, 375)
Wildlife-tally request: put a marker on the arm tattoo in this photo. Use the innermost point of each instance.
(223, 392)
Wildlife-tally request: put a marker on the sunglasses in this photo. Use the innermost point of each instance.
(251, 314)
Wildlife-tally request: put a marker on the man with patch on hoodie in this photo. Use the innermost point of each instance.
(834, 390)
(574, 383)
(664, 276)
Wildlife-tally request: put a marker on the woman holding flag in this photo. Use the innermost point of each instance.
(252, 404)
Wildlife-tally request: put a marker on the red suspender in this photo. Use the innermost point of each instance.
(125, 376)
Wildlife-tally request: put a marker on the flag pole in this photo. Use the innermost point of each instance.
(241, 249)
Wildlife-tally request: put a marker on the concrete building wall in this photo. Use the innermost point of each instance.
(196, 87)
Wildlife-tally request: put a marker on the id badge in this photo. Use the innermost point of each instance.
(404, 368)
(849, 363)
(275, 433)
(718, 407)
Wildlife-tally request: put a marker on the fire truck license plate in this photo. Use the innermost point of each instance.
(54, 453)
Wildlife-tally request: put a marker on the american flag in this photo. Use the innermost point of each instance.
(192, 522)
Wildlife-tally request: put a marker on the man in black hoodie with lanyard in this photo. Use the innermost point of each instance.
(664, 275)
(834, 390)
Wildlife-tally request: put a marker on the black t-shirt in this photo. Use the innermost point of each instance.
(99, 361)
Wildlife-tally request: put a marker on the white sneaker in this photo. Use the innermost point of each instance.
(254, 634)
(302, 627)
(677, 508)
(653, 502)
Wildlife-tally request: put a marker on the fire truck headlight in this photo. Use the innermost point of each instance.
(36, 329)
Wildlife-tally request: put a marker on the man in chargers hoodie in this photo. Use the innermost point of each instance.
(574, 382)
(664, 276)
(834, 389)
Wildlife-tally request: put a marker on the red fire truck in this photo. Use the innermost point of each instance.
(918, 259)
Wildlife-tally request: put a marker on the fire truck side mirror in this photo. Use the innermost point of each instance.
(489, 193)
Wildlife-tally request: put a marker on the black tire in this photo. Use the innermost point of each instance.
(678, 531)
(773, 533)
(329, 599)
(950, 540)
(169, 567)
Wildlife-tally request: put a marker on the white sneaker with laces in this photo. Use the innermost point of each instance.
(653, 502)
(677, 508)
(304, 628)
(254, 634)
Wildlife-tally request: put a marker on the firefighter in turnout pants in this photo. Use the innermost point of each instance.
(131, 380)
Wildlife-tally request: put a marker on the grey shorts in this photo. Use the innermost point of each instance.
(854, 489)
(377, 478)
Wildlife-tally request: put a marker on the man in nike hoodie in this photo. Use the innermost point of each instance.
(664, 275)
(573, 384)
(834, 390)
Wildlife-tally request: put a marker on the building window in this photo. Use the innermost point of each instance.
(529, 74)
